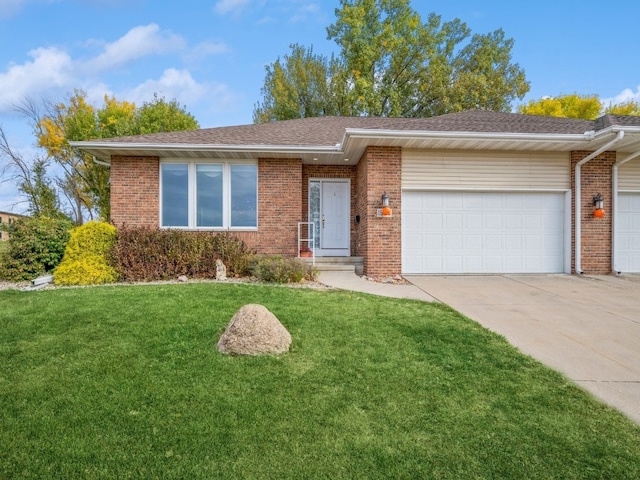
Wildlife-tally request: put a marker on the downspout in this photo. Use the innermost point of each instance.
(578, 197)
(614, 207)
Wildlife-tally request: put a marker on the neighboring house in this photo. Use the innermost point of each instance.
(7, 218)
(470, 192)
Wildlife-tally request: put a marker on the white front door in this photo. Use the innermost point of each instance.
(329, 209)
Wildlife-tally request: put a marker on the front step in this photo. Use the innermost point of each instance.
(346, 264)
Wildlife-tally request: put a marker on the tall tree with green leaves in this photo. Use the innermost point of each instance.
(391, 63)
(86, 182)
(303, 84)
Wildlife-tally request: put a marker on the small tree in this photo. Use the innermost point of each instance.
(86, 182)
(35, 247)
(30, 176)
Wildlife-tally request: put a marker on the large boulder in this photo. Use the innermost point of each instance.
(254, 330)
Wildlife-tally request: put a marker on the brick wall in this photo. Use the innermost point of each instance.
(279, 208)
(135, 197)
(595, 232)
(379, 239)
(135, 191)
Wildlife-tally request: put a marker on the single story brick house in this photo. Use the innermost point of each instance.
(469, 192)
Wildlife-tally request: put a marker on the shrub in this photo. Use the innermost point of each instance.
(277, 269)
(88, 270)
(87, 256)
(35, 247)
(147, 254)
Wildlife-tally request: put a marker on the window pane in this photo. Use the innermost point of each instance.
(175, 195)
(244, 195)
(314, 210)
(209, 195)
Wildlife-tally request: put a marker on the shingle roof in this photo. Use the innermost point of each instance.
(329, 131)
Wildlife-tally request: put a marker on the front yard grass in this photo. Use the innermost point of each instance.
(126, 382)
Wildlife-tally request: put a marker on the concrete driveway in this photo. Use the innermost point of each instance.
(586, 327)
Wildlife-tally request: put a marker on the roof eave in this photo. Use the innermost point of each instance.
(95, 148)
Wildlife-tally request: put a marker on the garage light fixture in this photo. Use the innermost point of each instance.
(385, 211)
(598, 206)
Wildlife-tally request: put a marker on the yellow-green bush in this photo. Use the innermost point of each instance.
(89, 270)
(86, 257)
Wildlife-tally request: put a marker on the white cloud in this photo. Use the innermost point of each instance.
(172, 84)
(176, 84)
(136, 43)
(226, 6)
(626, 95)
(206, 49)
(50, 68)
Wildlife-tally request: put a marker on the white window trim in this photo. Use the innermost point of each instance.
(192, 194)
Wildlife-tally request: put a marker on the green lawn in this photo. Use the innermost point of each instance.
(125, 382)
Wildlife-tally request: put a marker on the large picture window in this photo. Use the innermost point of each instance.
(212, 195)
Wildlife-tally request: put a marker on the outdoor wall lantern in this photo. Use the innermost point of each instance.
(598, 206)
(385, 211)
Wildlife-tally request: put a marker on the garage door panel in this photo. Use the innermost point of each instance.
(453, 201)
(513, 263)
(493, 221)
(513, 242)
(453, 242)
(627, 233)
(434, 220)
(484, 232)
(473, 221)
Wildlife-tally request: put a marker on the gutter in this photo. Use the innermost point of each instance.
(364, 133)
(100, 162)
(578, 198)
(614, 207)
(289, 149)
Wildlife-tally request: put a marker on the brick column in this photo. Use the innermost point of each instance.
(379, 239)
(596, 233)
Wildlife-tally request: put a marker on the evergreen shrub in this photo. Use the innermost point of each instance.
(35, 247)
(87, 258)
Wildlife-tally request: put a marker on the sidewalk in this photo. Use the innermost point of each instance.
(351, 281)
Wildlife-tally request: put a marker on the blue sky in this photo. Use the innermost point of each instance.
(211, 55)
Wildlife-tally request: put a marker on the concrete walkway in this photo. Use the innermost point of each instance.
(350, 281)
(585, 327)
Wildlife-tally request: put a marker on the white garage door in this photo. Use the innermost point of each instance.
(628, 233)
(483, 232)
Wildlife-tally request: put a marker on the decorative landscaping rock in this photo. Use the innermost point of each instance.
(182, 278)
(254, 330)
(221, 270)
